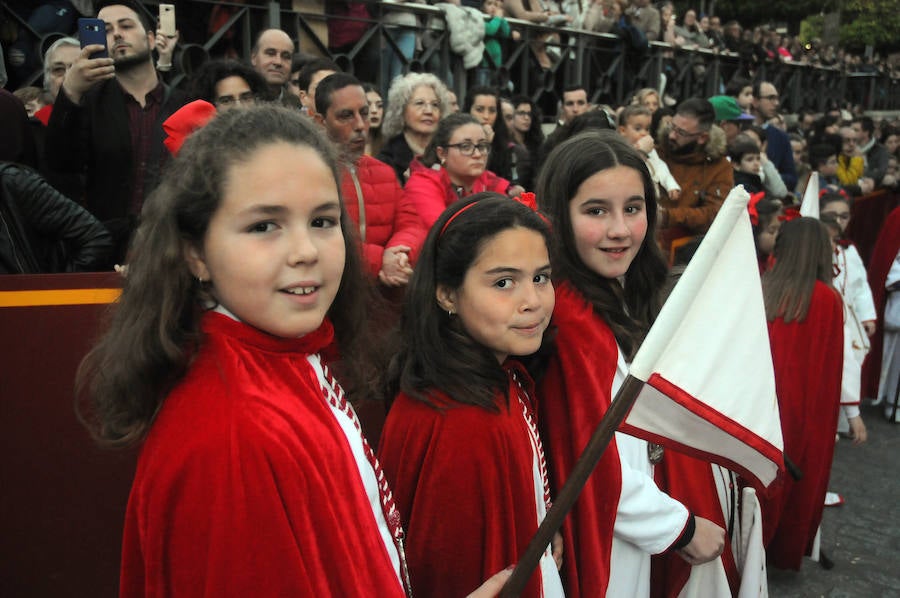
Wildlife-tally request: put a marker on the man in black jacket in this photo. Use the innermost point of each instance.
(107, 121)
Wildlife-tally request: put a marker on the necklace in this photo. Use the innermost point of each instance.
(334, 395)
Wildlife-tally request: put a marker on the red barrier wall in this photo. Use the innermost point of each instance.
(63, 499)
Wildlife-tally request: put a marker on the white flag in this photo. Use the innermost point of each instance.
(810, 204)
(709, 387)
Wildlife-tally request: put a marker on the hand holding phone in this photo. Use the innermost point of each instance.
(93, 65)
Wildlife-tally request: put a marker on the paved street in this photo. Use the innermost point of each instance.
(863, 536)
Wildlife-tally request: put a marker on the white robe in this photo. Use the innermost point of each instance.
(890, 359)
(648, 521)
(851, 281)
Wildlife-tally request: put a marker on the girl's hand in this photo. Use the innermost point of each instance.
(493, 585)
(869, 327)
(515, 190)
(858, 429)
(674, 194)
(557, 545)
(706, 545)
(395, 270)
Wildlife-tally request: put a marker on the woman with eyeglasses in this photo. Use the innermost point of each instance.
(415, 103)
(454, 166)
(228, 84)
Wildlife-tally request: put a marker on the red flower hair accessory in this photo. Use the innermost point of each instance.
(185, 121)
(528, 199)
(839, 191)
(790, 213)
(751, 207)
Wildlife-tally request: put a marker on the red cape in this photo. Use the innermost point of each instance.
(462, 478)
(246, 485)
(883, 255)
(575, 394)
(808, 358)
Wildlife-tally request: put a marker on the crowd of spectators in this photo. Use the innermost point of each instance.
(88, 150)
(96, 126)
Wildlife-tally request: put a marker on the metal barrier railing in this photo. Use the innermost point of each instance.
(598, 61)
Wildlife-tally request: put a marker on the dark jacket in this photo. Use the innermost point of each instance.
(42, 230)
(751, 182)
(877, 161)
(93, 138)
(781, 155)
(397, 154)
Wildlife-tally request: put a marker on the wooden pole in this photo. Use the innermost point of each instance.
(564, 502)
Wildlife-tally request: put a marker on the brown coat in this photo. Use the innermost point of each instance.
(706, 177)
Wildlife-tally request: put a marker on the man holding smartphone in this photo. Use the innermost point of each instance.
(107, 120)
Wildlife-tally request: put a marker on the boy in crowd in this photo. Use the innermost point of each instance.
(744, 154)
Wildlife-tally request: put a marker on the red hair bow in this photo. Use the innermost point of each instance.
(185, 121)
(790, 213)
(839, 191)
(751, 207)
(528, 199)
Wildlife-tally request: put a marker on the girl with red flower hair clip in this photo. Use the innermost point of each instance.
(766, 218)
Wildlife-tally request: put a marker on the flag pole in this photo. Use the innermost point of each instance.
(582, 470)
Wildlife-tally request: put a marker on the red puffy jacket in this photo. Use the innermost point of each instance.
(385, 217)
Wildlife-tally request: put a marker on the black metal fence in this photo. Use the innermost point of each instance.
(608, 67)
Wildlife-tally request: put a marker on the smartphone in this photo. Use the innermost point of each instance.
(167, 19)
(93, 31)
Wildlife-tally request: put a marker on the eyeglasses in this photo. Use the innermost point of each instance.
(849, 140)
(248, 97)
(467, 148)
(682, 133)
(523, 114)
(772, 98)
(420, 105)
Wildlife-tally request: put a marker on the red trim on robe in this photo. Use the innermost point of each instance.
(575, 393)
(463, 481)
(808, 358)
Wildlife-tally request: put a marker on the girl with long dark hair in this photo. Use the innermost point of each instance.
(460, 446)
(609, 273)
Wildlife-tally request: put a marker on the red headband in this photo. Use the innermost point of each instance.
(527, 199)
